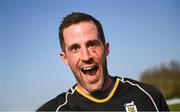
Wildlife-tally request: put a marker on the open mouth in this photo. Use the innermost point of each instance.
(91, 70)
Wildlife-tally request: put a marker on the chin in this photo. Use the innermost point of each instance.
(95, 87)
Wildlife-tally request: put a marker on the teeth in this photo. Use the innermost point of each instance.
(88, 68)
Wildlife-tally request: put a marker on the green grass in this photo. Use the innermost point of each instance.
(175, 107)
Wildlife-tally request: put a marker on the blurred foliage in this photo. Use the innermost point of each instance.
(174, 107)
(166, 78)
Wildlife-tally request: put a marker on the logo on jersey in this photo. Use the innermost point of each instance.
(130, 107)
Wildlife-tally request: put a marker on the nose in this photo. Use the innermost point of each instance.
(86, 56)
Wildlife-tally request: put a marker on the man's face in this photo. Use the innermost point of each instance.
(86, 55)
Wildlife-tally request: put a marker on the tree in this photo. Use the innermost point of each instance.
(166, 78)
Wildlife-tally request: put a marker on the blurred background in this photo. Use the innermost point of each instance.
(144, 37)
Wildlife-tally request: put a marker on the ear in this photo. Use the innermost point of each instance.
(107, 48)
(63, 57)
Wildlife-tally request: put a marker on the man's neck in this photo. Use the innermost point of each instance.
(107, 82)
(107, 88)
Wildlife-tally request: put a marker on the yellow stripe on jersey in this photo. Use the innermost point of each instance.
(100, 100)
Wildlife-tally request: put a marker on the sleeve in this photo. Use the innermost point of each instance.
(156, 94)
(162, 104)
(158, 97)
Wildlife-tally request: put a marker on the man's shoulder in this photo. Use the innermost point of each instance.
(146, 88)
(53, 104)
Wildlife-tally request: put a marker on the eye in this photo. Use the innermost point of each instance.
(92, 45)
(74, 48)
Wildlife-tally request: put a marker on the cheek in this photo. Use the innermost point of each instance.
(73, 60)
(99, 53)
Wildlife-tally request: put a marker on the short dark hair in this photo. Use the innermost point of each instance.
(75, 18)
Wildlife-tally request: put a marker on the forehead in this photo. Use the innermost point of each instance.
(82, 31)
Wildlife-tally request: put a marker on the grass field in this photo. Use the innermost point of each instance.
(174, 107)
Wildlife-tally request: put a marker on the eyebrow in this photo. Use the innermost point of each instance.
(72, 46)
(92, 41)
(87, 43)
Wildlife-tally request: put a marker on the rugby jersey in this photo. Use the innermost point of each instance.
(124, 95)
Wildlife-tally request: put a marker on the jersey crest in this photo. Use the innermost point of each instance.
(130, 107)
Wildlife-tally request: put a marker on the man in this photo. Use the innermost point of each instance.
(85, 49)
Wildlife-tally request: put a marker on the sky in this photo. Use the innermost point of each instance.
(142, 34)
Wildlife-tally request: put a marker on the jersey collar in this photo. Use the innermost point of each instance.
(99, 100)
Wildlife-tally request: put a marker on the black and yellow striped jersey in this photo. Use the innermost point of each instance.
(124, 95)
